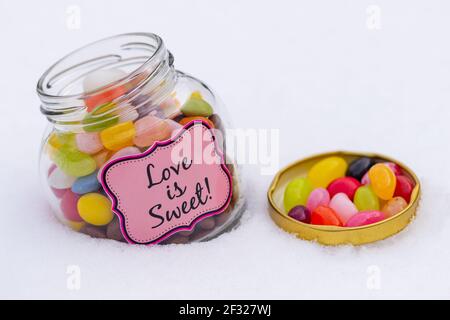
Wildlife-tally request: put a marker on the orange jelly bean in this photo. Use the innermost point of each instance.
(186, 120)
(323, 215)
(383, 181)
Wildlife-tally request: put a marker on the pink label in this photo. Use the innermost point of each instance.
(170, 187)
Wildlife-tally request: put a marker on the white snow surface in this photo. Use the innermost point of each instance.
(313, 70)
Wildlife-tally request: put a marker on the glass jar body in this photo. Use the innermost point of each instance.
(73, 156)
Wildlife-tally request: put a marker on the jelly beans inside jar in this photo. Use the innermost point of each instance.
(117, 110)
(344, 197)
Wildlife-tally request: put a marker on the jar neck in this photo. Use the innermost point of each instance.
(148, 79)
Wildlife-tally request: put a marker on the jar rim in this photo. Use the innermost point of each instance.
(56, 103)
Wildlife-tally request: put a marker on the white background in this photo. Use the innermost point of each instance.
(314, 70)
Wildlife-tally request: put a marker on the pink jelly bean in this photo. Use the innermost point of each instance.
(69, 206)
(343, 206)
(89, 142)
(365, 217)
(365, 179)
(150, 129)
(127, 151)
(318, 197)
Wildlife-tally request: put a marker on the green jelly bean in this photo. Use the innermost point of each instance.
(95, 122)
(196, 106)
(297, 193)
(365, 199)
(73, 162)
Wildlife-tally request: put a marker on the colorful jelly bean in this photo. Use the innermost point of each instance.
(359, 167)
(296, 193)
(365, 199)
(86, 184)
(327, 170)
(73, 162)
(95, 209)
(89, 142)
(186, 120)
(68, 206)
(300, 213)
(383, 181)
(394, 206)
(100, 118)
(394, 167)
(101, 157)
(404, 187)
(343, 206)
(58, 179)
(318, 197)
(118, 136)
(196, 106)
(365, 218)
(347, 185)
(150, 129)
(325, 216)
(101, 78)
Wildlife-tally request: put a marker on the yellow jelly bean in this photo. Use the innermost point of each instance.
(95, 209)
(327, 170)
(119, 136)
(383, 181)
(76, 225)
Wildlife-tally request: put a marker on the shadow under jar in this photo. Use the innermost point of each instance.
(115, 98)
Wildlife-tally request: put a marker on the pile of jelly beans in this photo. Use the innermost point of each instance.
(334, 193)
(78, 157)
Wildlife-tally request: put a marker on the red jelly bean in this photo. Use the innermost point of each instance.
(347, 185)
(404, 188)
(69, 206)
(325, 216)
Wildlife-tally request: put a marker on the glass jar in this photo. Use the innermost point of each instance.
(115, 101)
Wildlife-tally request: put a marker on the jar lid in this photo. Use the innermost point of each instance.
(333, 235)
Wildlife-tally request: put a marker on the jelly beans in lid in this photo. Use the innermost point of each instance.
(344, 198)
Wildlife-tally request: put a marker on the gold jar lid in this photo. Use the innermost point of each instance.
(332, 235)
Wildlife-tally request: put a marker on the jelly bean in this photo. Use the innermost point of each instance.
(76, 225)
(347, 185)
(93, 231)
(150, 129)
(196, 106)
(186, 120)
(68, 206)
(89, 142)
(73, 162)
(86, 184)
(318, 197)
(296, 193)
(127, 151)
(404, 188)
(394, 167)
(207, 223)
(57, 179)
(326, 170)
(394, 206)
(323, 215)
(365, 218)
(343, 206)
(118, 136)
(101, 78)
(359, 167)
(365, 199)
(113, 231)
(365, 180)
(383, 181)
(300, 213)
(170, 107)
(95, 209)
(100, 118)
(101, 157)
